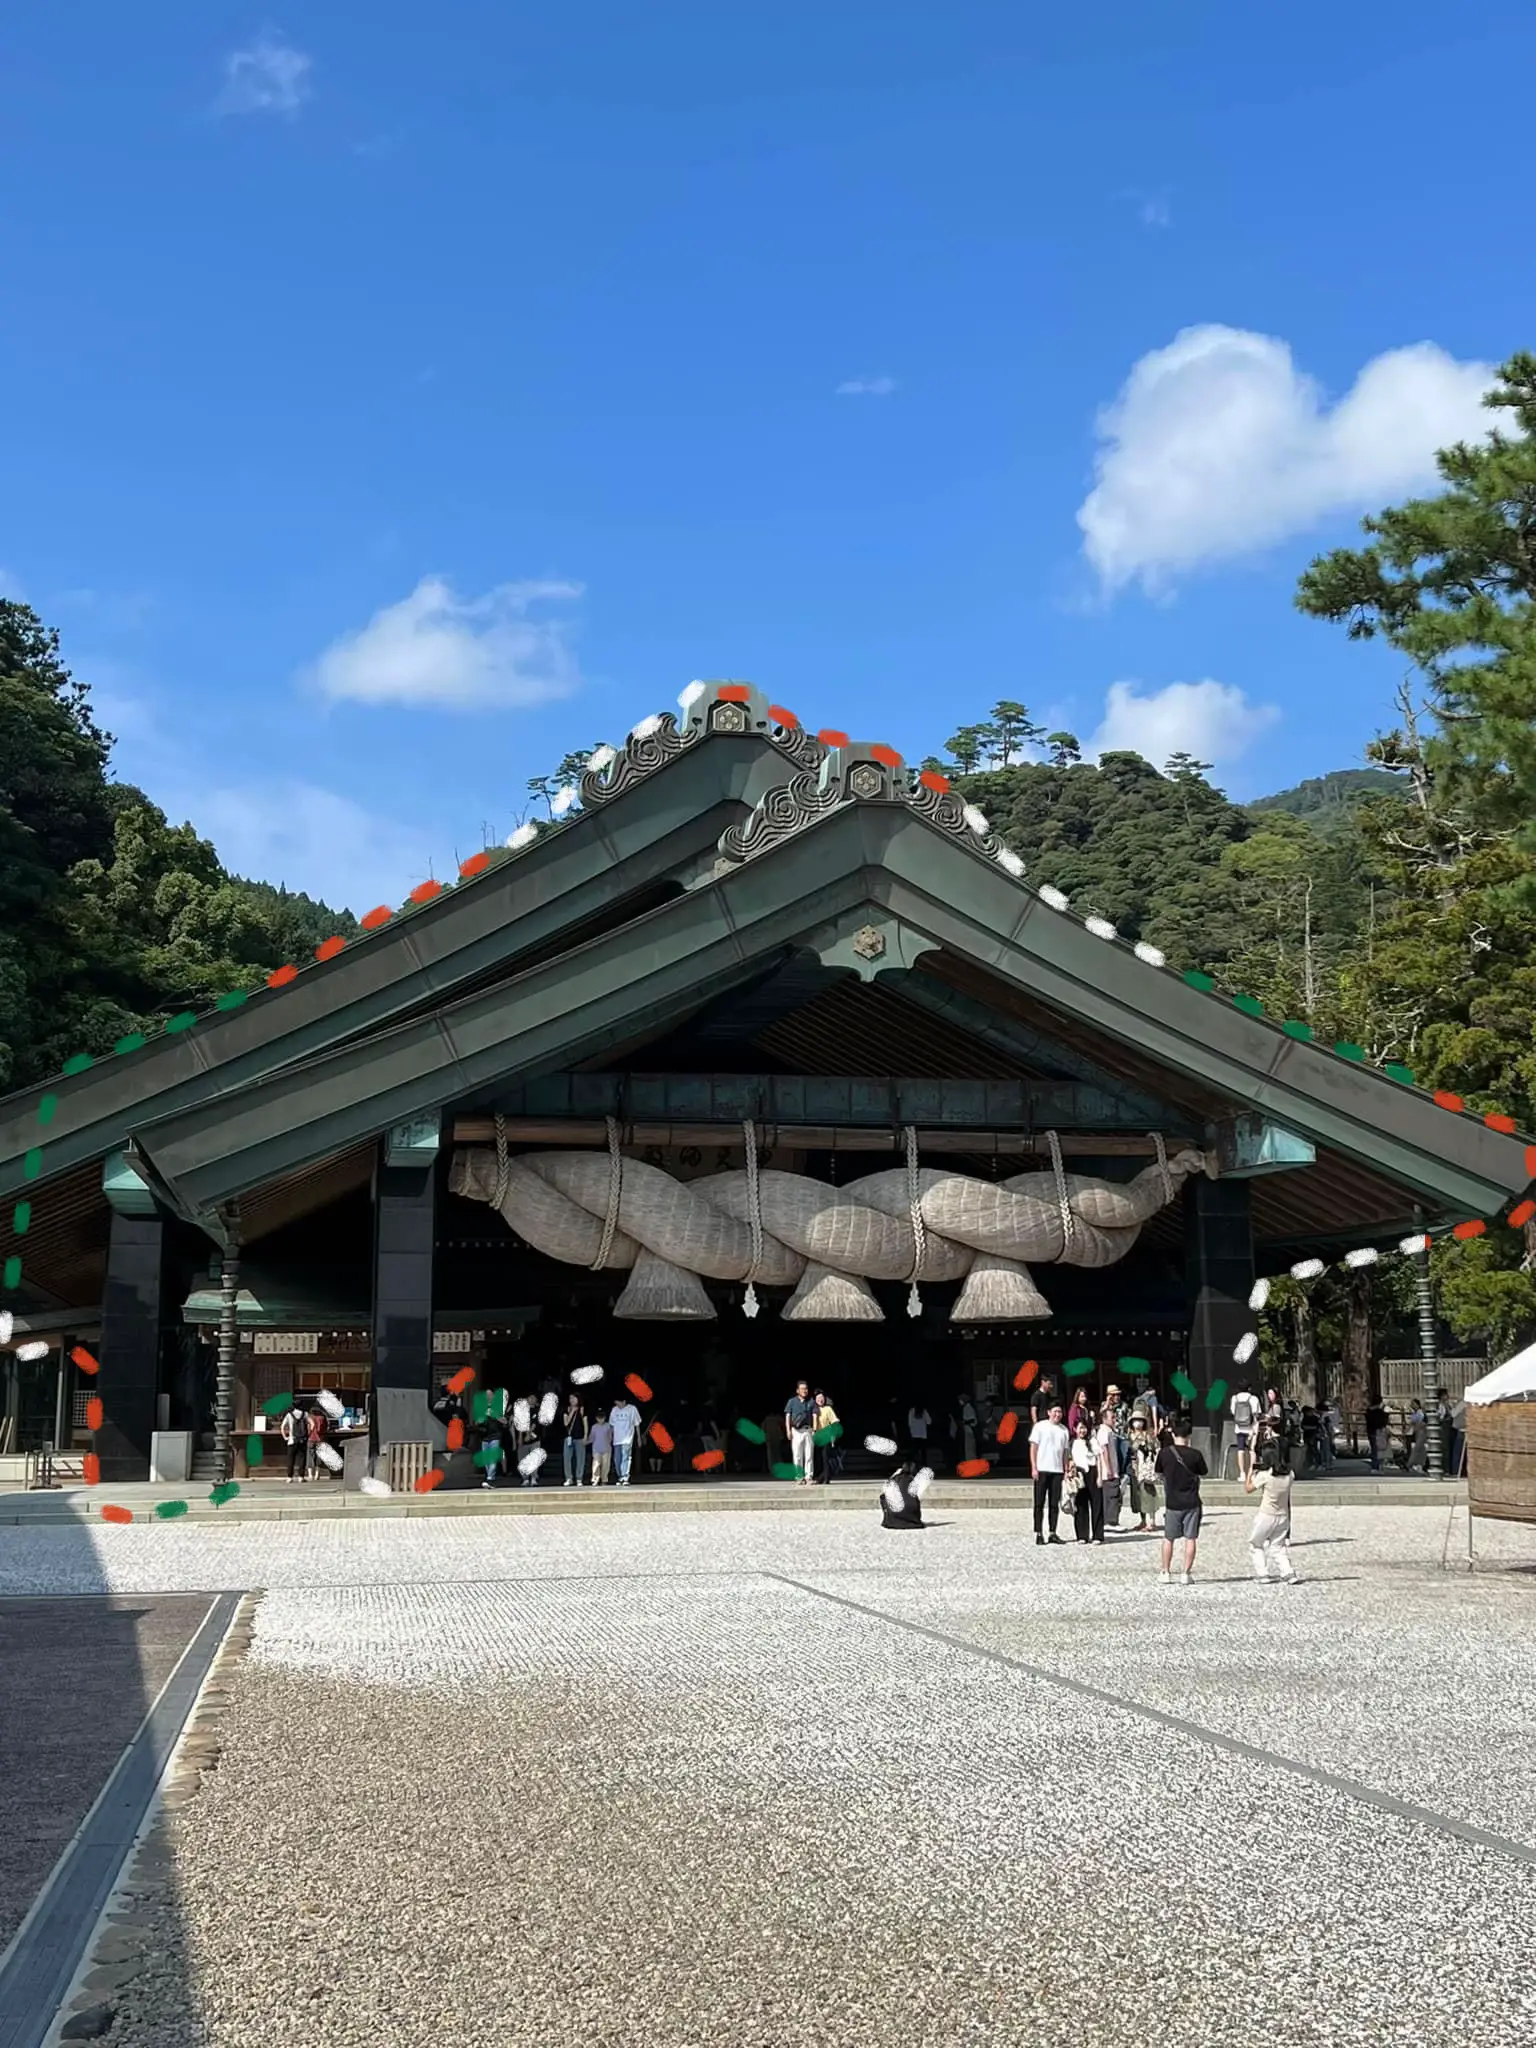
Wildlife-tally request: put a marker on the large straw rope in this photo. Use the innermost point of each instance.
(787, 1230)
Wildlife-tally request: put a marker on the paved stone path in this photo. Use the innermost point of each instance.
(774, 1779)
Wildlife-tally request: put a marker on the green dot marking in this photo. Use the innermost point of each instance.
(1184, 1386)
(829, 1435)
(131, 1042)
(751, 1431)
(1076, 1367)
(1198, 980)
(1134, 1365)
(1249, 1005)
(21, 1218)
(488, 1455)
(46, 1106)
(1396, 1071)
(1216, 1396)
(225, 1492)
(12, 1271)
(1294, 1029)
(78, 1063)
(276, 1403)
(182, 1021)
(783, 1471)
(32, 1163)
(168, 1510)
(233, 999)
(1348, 1050)
(255, 1450)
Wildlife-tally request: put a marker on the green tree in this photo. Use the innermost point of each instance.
(967, 748)
(1009, 731)
(1064, 747)
(1450, 582)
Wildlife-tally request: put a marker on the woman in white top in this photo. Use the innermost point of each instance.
(1269, 1542)
(1087, 1496)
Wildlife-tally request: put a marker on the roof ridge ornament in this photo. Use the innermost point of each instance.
(726, 708)
(855, 771)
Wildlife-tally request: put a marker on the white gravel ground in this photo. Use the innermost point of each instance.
(622, 1782)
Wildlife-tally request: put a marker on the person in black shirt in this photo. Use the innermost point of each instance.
(1181, 1471)
(1378, 1431)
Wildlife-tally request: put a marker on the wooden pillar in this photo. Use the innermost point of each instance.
(1218, 1280)
(405, 1219)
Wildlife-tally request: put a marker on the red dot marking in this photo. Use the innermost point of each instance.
(1008, 1428)
(281, 976)
(1530, 1161)
(638, 1387)
(1446, 1100)
(117, 1514)
(886, 756)
(456, 1434)
(461, 1379)
(90, 1466)
(1025, 1376)
(429, 1480)
(733, 693)
(425, 891)
(1496, 1120)
(329, 948)
(82, 1358)
(930, 778)
(475, 865)
(1520, 1216)
(972, 1468)
(661, 1437)
(828, 737)
(379, 915)
(708, 1461)
(1473, 1227)
(95, 1413)
(782, 717)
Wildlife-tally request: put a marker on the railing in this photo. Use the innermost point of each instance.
(407, 1464)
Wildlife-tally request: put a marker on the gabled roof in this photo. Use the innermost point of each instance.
(647, 820)
(855, 843)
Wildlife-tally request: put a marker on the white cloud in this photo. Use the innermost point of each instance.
(1218, 445)
(270, 77)
(867, 387)
(315, 840)
(1213, 721)
(463, 654)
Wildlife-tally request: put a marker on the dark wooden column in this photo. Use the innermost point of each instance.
(132, 1316)
(405, 1221)
(1218, 1238)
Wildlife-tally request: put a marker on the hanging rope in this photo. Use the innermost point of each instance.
(1169, 1190)
(501, 1163)
(615, 1192)
(754, 1215)
(1068, 1220)
(919, 1227)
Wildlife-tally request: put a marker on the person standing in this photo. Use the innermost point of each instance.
(1106, 1450)
(1331, 1428)
(1450, 1433)
(1143, 1474)
(1378, 1432)
(492, 1448)
(1042, 1400)
(1181, 1470)
(1244, 1409)
(919, 1422)
(828, 1429)
(295, 1429)
(577, 1435)
(800, 1425)
(315, 1437)
(1087, 1495)
(1270, 1539)
(1048, 1447)
(602, 1448)
(1418, 1436)
(1078, 1411)
(624, 1425)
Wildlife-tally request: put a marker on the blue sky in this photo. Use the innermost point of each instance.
(401, 397)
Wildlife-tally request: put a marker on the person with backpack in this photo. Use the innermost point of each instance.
(295, 1432)
(1181, 1470)
(1246, 1414)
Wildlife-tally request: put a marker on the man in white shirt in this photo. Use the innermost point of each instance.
(1048, 1445)
(624, 1421)
(1244, 1408)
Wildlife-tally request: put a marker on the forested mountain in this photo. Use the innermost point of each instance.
(1328, 801)
(111, 918)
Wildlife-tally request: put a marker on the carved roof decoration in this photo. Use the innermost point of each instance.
(856, 771)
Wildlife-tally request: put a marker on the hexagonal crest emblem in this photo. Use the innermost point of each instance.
(869, 943)
(866, 780)
(730, 718)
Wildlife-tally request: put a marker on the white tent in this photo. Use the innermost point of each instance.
(1514, 1380)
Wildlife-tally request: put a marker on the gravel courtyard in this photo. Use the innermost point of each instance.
(766, 1779)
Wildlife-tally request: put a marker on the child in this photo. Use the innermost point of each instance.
(602, 1448)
